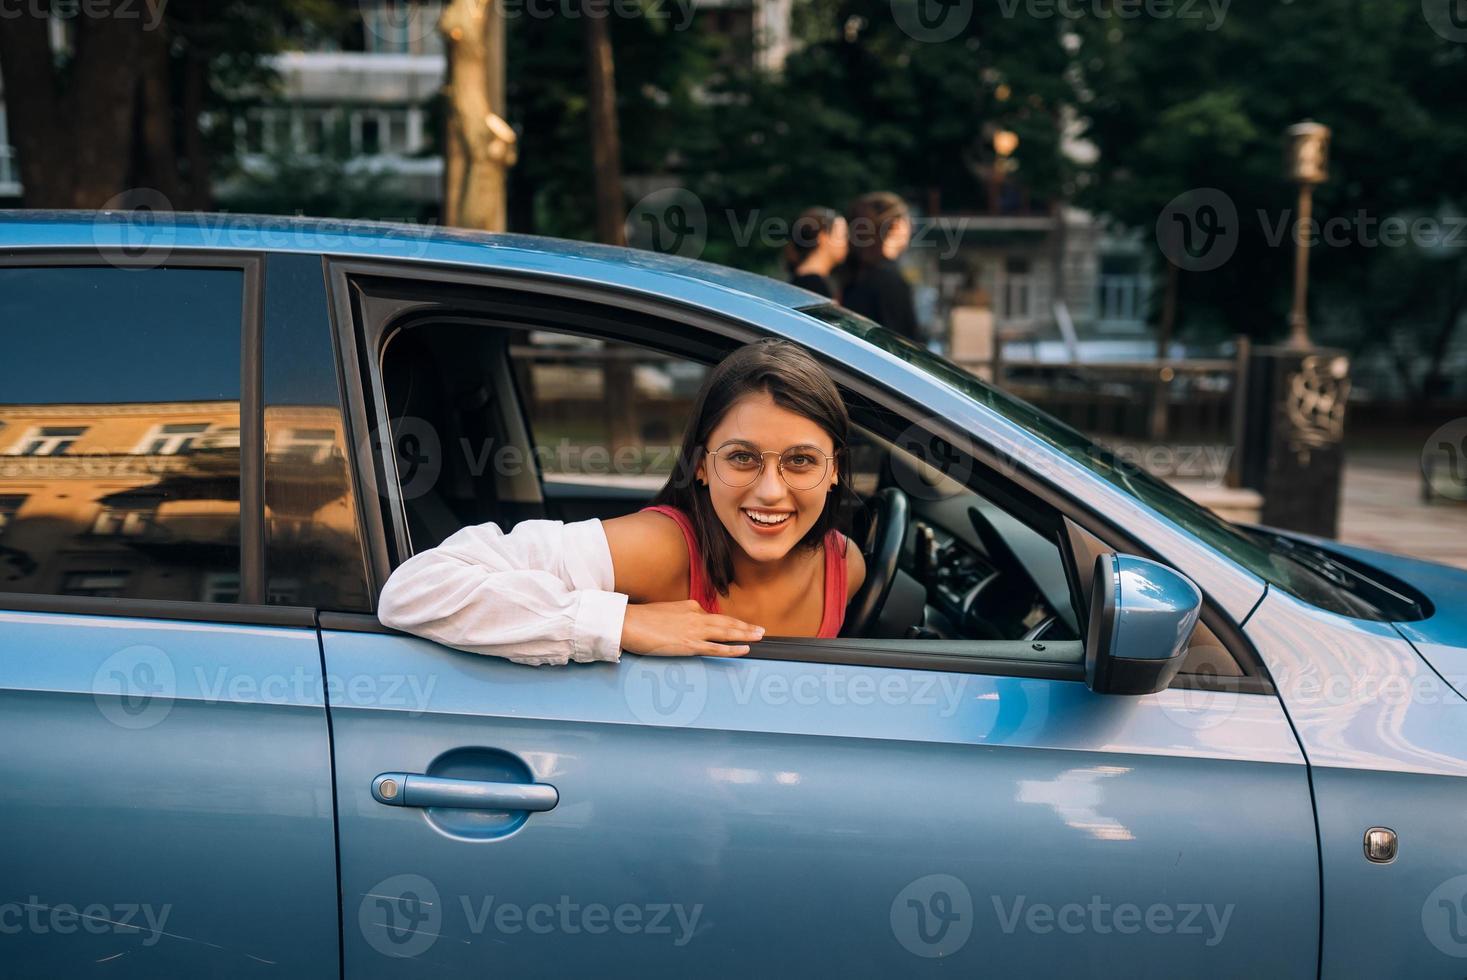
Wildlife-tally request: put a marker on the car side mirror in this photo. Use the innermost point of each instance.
(1142, 615)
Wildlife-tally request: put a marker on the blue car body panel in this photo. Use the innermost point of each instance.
(1441, 638)
(167, 806)
(789, 812)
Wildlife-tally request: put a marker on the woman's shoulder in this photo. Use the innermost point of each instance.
(649, 555)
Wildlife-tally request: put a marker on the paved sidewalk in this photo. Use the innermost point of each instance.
(1382, 508)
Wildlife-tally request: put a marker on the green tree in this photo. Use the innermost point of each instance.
(660, 58)
(866, 101)
(1179, 104)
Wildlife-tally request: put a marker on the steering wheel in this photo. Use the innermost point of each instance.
(883, 546)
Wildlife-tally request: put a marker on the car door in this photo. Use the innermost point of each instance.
(167, 804)
(837, 807)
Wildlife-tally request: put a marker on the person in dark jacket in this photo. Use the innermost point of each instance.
(817, 245)
(880, 227)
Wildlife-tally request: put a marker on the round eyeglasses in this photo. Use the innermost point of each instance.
(801, 468)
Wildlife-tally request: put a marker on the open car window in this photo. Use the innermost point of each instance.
(601, 420)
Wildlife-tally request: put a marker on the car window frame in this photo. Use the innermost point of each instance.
(251, 609)
(360, 342)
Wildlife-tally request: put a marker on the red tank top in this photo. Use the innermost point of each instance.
(833, 614)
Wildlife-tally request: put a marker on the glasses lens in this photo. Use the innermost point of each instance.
(737, 467)
(803, 470)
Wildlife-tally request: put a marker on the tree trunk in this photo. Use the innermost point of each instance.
(100, 106)
(1166, 329)
(605, 138)
(198, 164)
(481, 146)
(157, 159)
(74, 141)
(42, 155)
(1432, 380)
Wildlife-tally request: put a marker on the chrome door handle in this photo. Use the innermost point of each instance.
(417, 789)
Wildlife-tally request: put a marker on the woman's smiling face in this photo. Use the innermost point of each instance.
(767, 518)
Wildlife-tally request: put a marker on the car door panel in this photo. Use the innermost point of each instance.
(167, 804)
(802, 818)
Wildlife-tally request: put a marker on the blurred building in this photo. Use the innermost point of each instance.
(364, 96)
(373, 86)
(1032, 271)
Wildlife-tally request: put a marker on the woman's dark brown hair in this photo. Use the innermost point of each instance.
(870, 220)
(805, 234)
(797, 383)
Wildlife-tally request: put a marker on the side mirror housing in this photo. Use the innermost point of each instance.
(1142, 615)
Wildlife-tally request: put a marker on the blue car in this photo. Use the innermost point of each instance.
(1076, 726)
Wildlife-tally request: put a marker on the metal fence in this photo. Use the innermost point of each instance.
(1195, 402)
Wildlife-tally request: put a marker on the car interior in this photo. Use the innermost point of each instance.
(944, 562)
(972, 567)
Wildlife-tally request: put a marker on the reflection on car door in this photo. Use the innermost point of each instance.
(767, 817)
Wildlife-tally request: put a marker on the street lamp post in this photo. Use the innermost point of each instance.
(1005, 142)
(1306, 160)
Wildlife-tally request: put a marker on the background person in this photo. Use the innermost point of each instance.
(818, 244)
(880, 228)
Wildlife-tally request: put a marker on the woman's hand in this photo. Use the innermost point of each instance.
(683, 629)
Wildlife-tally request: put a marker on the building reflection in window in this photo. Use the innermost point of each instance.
(119, 431)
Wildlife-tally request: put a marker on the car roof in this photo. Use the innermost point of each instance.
(140, 230)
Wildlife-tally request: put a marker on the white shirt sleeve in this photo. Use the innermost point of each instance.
(542, 594)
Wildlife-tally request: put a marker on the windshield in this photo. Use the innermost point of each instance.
(1260, 553)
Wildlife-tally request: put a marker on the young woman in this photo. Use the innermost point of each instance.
(880, 230)
(818, 243)
(740, 543)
